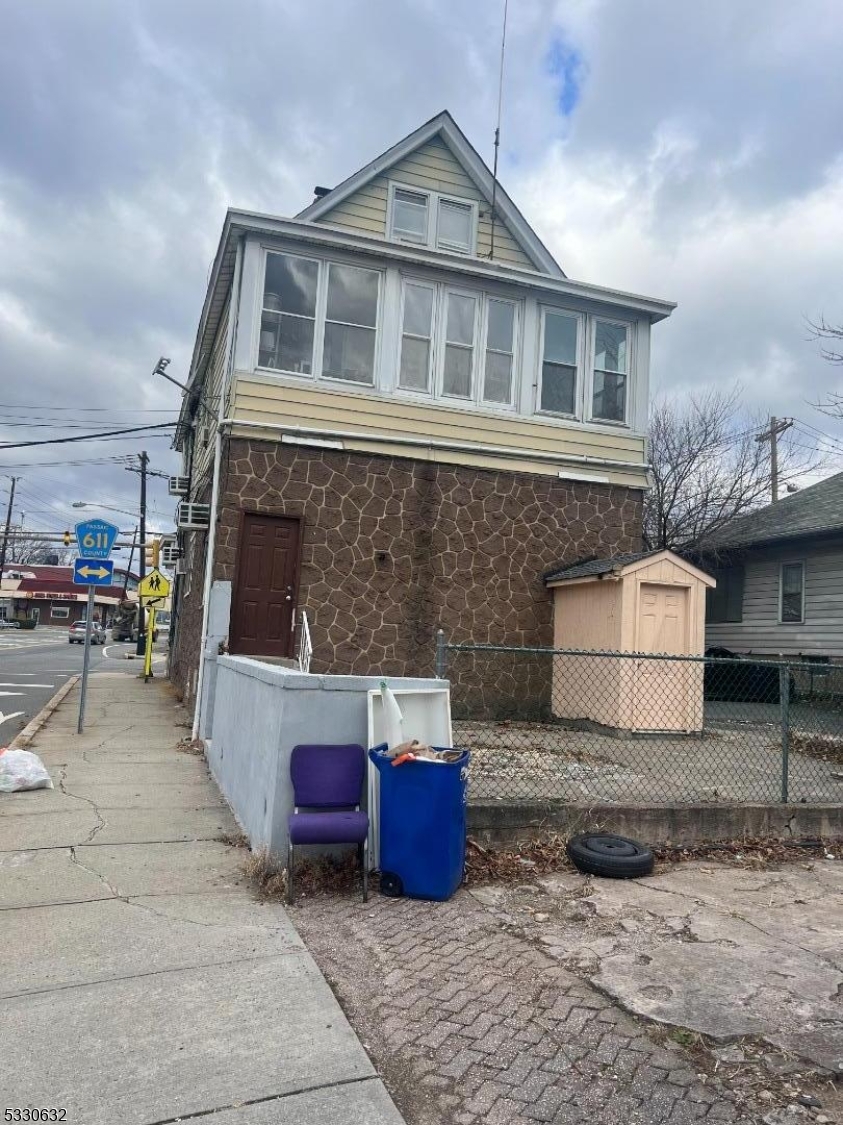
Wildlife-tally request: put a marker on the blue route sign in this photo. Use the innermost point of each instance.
(93, 572)
(95, 538)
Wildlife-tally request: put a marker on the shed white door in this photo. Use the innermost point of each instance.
(667, 694)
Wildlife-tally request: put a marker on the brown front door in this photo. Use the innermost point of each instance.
(266, 587)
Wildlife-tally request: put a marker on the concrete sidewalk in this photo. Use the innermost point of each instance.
(141, 982)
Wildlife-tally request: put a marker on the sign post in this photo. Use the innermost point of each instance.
(151, 589)
(89, 621)
(94, 568)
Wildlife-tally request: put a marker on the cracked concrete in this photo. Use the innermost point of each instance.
(141, 981)
(724, 951)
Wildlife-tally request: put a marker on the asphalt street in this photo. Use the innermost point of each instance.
(33, 666)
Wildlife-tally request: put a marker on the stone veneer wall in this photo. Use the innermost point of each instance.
(393, 548)
(184, 662)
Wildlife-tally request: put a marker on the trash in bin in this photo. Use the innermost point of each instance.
(422, 823)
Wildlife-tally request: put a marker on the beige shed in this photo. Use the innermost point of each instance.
(650, 602)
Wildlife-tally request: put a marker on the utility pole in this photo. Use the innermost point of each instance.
(141, 646)
(777, 428)
(7, 527)
(129, 567)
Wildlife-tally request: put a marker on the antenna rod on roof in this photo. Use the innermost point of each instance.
(498, 134)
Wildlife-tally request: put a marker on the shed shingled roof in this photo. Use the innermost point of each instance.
(591, 568)
(817, 510)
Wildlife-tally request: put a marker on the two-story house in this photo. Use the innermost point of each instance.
(403, 413)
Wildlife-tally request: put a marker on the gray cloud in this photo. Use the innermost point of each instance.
(700, 161)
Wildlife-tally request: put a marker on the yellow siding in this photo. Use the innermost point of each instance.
(264, 402)
(435, 168)
(214, 380)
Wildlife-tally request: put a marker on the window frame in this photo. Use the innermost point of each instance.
(59, 611)
(579, 380)
(738, 570)
(803, 569)
(433, 200)
(588, 404)
(447, 291)
(434, 392)
(430, 390)
(320, 320)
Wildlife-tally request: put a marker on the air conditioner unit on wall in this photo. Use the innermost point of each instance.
(193, 517)
(179, 486)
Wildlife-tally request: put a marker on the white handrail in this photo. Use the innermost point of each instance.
(305, 644)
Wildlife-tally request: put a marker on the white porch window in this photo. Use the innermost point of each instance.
(500, 352)
(416, 337)
(288, 315)
(560, 351)
(460, 332)
(611, 371)
(350, 324)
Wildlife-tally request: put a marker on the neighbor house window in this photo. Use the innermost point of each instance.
(460, 328)
(611, 370)
(319, 318)
(724, 604)
(350, 323)
(560, 345)
(288, 317)
(792, 593)
(428, 218)
(58, 611)
(417, 337)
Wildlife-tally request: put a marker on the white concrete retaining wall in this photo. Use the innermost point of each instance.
(260, 712)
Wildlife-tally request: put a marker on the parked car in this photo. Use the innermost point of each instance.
(76, 633)
(4, 624)
(733, 678)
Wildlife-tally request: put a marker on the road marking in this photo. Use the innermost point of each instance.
(6, 718)
(12, 693)
(26, 685)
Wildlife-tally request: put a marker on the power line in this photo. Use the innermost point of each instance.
(90, 437)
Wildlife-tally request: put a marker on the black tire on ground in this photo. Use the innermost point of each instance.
(613, 857)
(391, 884)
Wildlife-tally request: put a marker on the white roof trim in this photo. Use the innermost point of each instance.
(443, 125)
(270, 225)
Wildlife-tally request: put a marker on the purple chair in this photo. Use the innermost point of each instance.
(328, 779)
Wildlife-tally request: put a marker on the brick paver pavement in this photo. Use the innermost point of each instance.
(468, 1023)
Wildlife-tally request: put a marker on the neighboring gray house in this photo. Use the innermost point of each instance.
(779, 577)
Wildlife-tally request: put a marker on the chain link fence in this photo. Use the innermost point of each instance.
(626, 728)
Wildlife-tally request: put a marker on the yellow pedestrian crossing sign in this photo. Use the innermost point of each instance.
(155, 585)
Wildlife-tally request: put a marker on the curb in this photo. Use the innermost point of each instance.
(33, 727)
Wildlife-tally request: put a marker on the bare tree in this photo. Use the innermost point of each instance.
(707, 467)
(25, 550)
(832, 352)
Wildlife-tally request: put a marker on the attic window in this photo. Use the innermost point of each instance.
(410, 217)
(427, 218)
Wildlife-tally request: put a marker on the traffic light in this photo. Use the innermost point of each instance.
(152, 554)
(67, 539)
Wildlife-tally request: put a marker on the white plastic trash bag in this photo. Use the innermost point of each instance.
(20, 769)
(393, 720)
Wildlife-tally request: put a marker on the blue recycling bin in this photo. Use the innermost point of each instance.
(422, 825)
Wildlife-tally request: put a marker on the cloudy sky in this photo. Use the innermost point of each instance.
(688, 149)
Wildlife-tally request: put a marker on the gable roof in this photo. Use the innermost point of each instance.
(817, 510)
(597, 568)
(444, 126)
